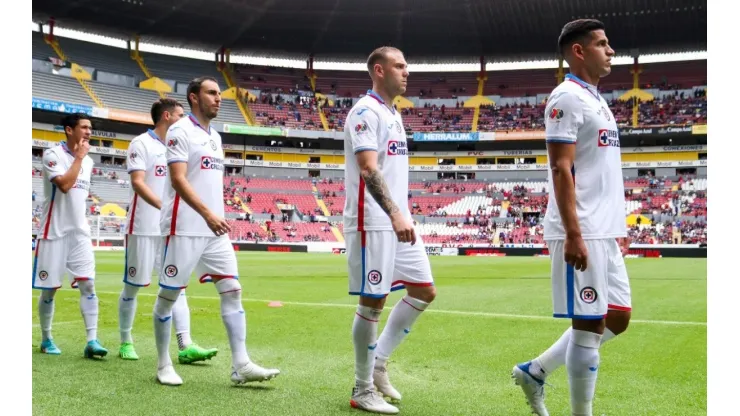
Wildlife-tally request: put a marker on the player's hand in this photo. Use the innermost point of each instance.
(403, 228)
(576, 254)
(218, 225)
(624, 245)
(82, 148)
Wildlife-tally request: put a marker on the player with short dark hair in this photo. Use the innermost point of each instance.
(196, 233)
(64, 244)
(147, 165)
(384, 252)
(585, 225)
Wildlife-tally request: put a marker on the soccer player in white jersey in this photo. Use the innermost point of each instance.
(384, 253)
(585, 226)
(64, 244)
(196, 234)
(147, 166)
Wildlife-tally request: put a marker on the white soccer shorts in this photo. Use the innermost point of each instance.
(206, 256)
(71, 254)
(589, 294)
(379, 264)
(143, 255)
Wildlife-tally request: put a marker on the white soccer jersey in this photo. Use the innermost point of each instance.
(146, 153)
(576, 113)
(187, 141)
(64, 213)
(371, 125)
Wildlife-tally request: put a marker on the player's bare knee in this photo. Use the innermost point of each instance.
(426, 293)
(618, 321)
(590, 325)
(375, 303)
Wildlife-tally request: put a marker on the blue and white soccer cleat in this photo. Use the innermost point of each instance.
(48, 347)
(533, 388)
(94, 349)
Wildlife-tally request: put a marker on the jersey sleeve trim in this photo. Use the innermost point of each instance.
(559, 140)
(171, 161)
(364, 148)
(135, 169)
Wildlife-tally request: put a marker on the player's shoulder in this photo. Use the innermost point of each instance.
(365, 106)
(181, 127)
(567, 93)
(54, 150)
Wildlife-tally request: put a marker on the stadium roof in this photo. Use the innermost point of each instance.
(426, 30)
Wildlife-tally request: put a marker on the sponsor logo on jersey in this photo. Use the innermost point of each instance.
(397, 148)
(133, 155)
(51, 163)
(608, 138)
(209, 162)
(361, 128)
(171, 142)
(556, 114)
(160, 170)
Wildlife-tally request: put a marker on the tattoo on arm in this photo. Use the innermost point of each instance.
(379, 190)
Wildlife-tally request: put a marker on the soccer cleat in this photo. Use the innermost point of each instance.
(533, 388)
(253, 372)
(48, 347)
(383, 385)
(193, 353)
(370, 401)
(167, 376)
(93, 349)
(127, 351)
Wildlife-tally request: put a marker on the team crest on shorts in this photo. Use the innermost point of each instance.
(374, 277)
(132, 271)
(588, 295)
(43, 275)
(170, 271)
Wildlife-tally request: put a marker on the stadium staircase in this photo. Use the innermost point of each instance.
(78, 72)
(324, 122)
(151, 82)
(227, 72)
(476, 114)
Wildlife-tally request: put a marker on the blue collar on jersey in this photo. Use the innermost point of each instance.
(154, 135)
(195, 121)
(65, 147)
(591, 88)
(381, 100)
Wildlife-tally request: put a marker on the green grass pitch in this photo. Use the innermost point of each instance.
(490, 313)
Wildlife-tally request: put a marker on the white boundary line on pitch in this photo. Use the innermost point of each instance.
(441, 311)
(53, 324)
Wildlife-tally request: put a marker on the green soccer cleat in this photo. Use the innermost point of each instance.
(93, 349)
(127, 351)
(194, 353)
(48, 347)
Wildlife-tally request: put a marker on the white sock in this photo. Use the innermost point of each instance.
(163, 323)
(554, 357)
(89, 308)
(399, 324)
(364, 333)
(127, 311)
(582, 363)
(181, 319)
(46, 312)
(235, 321)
